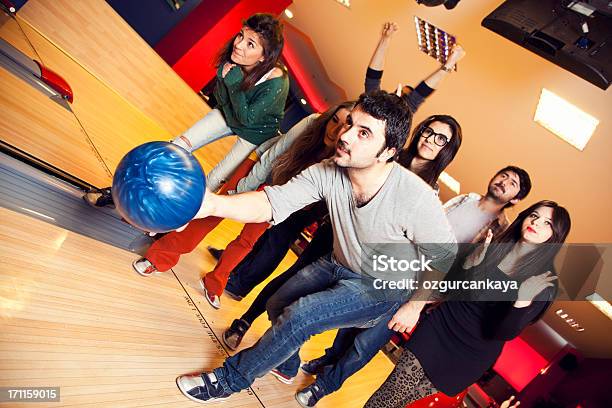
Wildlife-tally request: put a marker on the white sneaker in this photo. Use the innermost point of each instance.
(143, 267)
(202, 388)
(213, 300)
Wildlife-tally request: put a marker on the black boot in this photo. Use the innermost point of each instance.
(215, 252)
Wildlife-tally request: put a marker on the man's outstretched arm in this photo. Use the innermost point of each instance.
(251, 207)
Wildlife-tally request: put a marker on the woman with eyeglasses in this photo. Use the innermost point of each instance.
(433, 146)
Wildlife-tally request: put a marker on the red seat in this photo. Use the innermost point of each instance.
(439, 400)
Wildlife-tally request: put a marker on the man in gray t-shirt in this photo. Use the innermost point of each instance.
(471, 215)
(370, 199)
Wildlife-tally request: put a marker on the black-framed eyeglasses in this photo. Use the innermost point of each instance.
(439, 139)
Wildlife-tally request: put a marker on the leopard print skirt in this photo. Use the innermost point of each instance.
(406, 383)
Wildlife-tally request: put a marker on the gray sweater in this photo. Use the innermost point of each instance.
(405, 211)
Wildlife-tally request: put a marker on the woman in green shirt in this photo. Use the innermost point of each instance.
(251, 89)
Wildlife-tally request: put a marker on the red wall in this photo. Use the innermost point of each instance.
(190, 48)
(519, 363)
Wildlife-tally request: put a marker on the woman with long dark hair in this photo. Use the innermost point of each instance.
(430, 149)
(251, 88)
(316, 135)
(456, 341)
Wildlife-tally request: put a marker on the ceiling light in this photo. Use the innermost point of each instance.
(288, 13)
(564, 119)
(600, 303)
(433, 41)
(303, 101)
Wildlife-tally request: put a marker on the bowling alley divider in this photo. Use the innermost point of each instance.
(124, 93)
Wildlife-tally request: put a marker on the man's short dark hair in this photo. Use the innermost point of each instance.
(394, 111)
(524, 181)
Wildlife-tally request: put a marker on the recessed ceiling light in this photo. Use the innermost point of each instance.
(564, 119)
(288, 13)
(600, 303)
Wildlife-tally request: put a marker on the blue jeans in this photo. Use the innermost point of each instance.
(210, 128)
(269, 251)
(322, 296)
(352, 349)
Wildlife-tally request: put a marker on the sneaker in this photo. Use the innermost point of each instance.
(99, 198)
(284, 378)
(213, 300)
(309, 396)
(233, 336)
(232, 296)
(316, 366)
(143, 267)
(202, 388)
(215, 252)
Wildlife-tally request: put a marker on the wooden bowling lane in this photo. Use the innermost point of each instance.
(74, 315)
(105, 123)
(105, 45)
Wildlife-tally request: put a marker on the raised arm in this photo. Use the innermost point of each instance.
(377, 62)
(434, 80)
(426, 87)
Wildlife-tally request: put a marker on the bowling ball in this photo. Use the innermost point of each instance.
(158, 187)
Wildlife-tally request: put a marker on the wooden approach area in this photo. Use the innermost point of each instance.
(74, 315)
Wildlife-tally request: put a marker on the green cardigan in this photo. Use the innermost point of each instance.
(254, 114)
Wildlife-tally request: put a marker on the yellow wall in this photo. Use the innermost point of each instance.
(493, 95)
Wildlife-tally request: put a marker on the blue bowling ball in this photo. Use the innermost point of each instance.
(158, 187)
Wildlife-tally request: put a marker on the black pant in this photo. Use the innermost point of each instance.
(320, 245)
(270, 249)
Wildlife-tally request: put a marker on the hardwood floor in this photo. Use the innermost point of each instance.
(74, 315)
